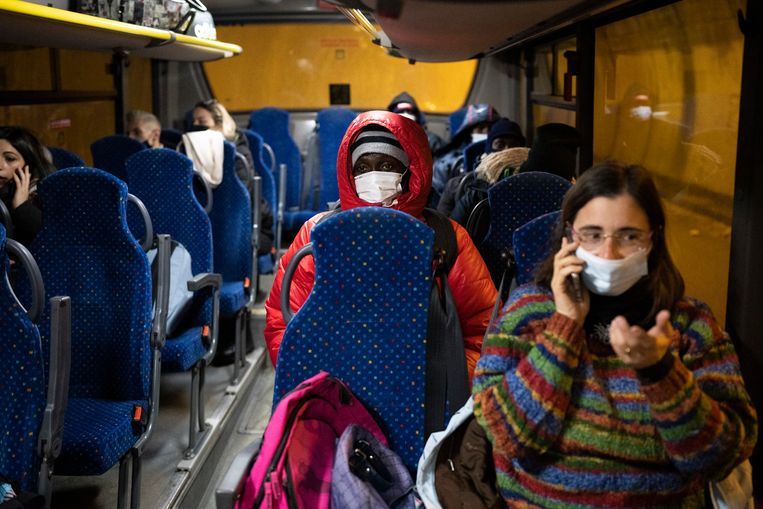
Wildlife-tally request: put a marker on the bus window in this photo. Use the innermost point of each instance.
(666, 96)
(294, 65)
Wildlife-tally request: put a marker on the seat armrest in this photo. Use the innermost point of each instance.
(205, 279)
(232, 485)
(213, 280)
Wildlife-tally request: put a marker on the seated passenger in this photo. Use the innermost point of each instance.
(384, 160)
(622, 392)
(504, 134)
(24, 162)
(213, 115)
(554, 150)
(404, 104)
(144, 127)
(449, 160)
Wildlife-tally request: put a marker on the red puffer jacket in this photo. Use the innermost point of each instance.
(469, 279)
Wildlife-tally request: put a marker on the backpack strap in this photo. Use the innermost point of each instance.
(447, 381)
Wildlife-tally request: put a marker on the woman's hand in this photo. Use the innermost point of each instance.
(639, 348)
(22, 177)
(566, 263)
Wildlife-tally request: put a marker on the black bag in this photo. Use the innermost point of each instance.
(11, 497)
(447, 379)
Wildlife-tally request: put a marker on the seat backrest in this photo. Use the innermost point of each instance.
(111, 152)
(86, 251)
(170, 137)
(472, 153)
(332, 124)
(63, 158)
(162, 179)
(365, 321)
(273, 125)
(513, 202)
(262, 169)
(231, 219)
(455, 120)
(532, 244)
(23, 383)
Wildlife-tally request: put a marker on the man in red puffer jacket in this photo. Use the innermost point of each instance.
(384, 160)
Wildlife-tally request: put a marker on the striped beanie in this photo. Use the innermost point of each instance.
(375, 139)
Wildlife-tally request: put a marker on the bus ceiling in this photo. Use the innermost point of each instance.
(451, 30)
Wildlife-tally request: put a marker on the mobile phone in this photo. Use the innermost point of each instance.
(574, 287)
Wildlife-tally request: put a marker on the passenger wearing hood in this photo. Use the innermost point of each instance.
(404, 104)
(449, 159)
(384, 160)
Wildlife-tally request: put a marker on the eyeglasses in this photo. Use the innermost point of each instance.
(628, 239)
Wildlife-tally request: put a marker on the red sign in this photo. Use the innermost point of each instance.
(60, 123)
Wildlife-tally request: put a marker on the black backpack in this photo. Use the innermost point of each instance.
(447, 380)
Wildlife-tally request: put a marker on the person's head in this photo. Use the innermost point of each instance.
(615, 212)
(144, 127)
(213, 115)
(384, 159)
(477, 122)
(19, 147)
(504, 134)
(554, 150)
(404, 104)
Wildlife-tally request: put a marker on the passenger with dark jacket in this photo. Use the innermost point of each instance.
(449, 159)
(504, 134)
(384, 160)
(24, 162)
(554, 150)
(404, 104)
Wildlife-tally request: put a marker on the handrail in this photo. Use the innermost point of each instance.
(286, 311)
(29, 265)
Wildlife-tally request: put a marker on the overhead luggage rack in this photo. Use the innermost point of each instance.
(31, 24)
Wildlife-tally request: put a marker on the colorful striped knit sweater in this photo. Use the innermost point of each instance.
(573, 427)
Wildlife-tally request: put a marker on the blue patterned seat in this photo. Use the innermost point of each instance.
(111, 152)
(22, 384)
(332, 123)
(162, 180)
(265, 262)
(513, 202)
(472, 153)
(231, 219)
(86, 250)
(63, 158)
(273, 125)
(366, 318)
(532, 244)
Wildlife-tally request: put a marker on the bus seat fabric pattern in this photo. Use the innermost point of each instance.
(513, 202)
(110, 154)
(273, 125)
(85, 250)
(332, 124)
(365, 320)
(532, 244)
(231, 220)
(22, 383)
(63, 158)
(261, 169)
(299, 443)
(162, 179)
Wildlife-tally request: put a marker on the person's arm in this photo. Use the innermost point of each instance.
(523, 379)
(27, 221)
(302, 284)
(698, 399)
(474, 294)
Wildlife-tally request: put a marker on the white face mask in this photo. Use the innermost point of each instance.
(612, 277)
(641, 112)
(478, 137)
(379, 187)
(409, 115)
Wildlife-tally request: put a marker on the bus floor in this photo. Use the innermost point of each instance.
(238, 415)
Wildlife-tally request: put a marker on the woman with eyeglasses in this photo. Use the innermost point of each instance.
(620, 392)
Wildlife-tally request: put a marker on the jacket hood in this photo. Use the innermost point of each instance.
(414, 141)
(405, 97)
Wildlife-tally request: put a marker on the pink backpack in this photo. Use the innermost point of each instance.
(293, 467)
